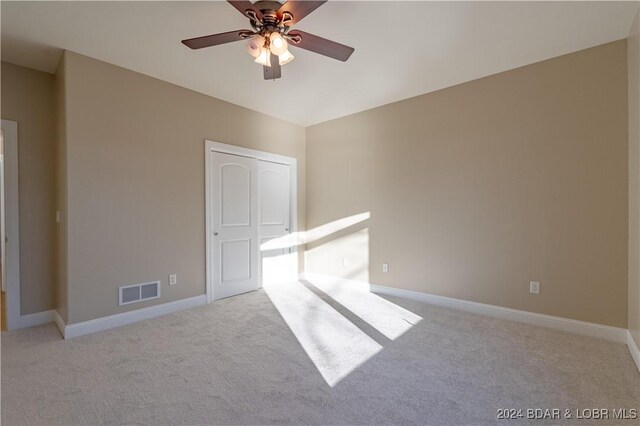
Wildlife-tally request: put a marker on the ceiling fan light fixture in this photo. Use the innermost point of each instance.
(285, 58)
(264, 58)
(254, 45)
(278, 44)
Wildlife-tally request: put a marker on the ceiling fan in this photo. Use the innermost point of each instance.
(271, 35)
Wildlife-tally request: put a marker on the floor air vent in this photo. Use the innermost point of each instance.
(138, 292)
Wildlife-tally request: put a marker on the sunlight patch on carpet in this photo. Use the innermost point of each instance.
(334, 344)
(386, 317)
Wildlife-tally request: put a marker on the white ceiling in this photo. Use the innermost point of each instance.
(402, 49)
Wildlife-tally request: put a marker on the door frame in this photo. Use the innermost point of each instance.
(211, 146)
(12, 224)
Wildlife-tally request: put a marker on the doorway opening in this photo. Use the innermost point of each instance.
(3, 298)
(9, 226)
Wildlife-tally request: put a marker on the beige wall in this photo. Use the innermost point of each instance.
(135, 180)
(28, 98)
(477, 189)
(473, 191)
(633, 59)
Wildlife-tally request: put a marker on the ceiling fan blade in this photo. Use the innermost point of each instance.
(274, 71)
(243, 6)
(320, 45)
(215, 39)
(299, 9)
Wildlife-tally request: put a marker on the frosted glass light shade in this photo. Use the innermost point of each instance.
(278, 44)
(264, 58)
(285, 58)
(255, 45)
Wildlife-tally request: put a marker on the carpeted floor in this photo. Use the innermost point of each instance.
(295, 355)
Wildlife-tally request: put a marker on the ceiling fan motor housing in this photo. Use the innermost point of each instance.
(270, 21)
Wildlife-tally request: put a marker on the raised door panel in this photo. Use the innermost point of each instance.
(235, 192)
(236, 260)
(273, 209)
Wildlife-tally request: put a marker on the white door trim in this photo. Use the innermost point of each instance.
(210, 146)
(12, 212)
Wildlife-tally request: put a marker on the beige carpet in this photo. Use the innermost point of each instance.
(301, 354)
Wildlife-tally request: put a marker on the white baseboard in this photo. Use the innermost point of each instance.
(614, 334)
(70, 331)
(31, 320)
(633, 348)
(57, 319)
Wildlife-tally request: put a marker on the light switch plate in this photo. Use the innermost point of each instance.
(173, 279)
(534, 287)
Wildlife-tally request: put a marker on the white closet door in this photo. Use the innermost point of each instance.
(274, 220)
(234, 225)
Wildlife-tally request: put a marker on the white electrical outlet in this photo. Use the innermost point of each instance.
(534, 287)
(345, 261)
(173, 279)
(385, 267)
